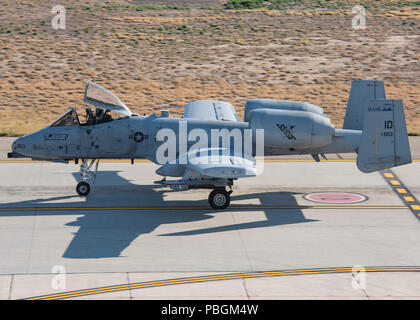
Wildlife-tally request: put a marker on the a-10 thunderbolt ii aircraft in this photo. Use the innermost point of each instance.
(374, 128)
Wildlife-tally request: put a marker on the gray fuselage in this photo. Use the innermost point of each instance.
(135, 137)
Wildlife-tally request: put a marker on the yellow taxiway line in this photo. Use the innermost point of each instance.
(197, 279)
(256, 207)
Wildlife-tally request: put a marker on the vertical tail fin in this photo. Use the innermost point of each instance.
(384, 142)
(361, 93)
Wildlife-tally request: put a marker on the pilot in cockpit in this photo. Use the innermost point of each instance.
(98, 117)
(106, 116)
(90, 117)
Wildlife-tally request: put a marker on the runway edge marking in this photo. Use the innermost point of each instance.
(199, 279)
(400, 189)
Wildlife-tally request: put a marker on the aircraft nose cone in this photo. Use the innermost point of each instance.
(18, 144)
(27, 145)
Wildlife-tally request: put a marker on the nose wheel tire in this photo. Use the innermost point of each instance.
(219, 199)
(83, 188)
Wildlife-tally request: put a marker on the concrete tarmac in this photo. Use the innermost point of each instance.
(129, 230)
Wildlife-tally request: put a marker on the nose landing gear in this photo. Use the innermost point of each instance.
(83, 187)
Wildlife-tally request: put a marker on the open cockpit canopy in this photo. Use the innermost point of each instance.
(102, 98)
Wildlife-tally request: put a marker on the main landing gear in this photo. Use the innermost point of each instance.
(219, 198)
(83, 187)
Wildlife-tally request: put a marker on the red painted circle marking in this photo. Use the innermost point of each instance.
(335, 197)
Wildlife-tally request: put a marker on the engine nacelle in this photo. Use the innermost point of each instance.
(292, 129)
(255, 104)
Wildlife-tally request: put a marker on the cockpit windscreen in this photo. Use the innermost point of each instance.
(69, 119)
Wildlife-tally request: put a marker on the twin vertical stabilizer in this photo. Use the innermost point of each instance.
(384, 141)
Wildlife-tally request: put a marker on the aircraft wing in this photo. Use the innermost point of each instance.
(102, 98)
(210, 110)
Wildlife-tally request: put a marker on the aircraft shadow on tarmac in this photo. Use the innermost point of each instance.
(106, 233)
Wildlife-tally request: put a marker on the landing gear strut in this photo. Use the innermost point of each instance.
(83, 188)
(219, 198)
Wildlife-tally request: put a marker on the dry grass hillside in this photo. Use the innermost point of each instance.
(152, 54)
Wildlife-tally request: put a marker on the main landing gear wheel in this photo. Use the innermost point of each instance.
(219, 199)
(83, 188)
